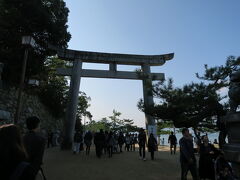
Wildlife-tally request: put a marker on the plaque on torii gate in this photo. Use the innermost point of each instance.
(113, 59)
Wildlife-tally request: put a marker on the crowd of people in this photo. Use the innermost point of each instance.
(109, 142)
(21, 157)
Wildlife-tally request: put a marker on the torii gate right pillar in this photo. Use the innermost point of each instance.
(148, 98)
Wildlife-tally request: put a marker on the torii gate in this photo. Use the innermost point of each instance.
(76, 72)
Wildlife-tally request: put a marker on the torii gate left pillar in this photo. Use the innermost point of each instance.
(71, 111)
(76, 72)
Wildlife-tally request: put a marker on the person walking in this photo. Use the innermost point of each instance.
(127, 142)
(99, 140)
(152, 145)
(115, 144)
(135, 140)
(88, 141)
(105, 142)
(110, 143)
(34, 143)
(121, 141)
(77, 140)
(187, 157)
(206, 160)
(142, 144)
(173, 142)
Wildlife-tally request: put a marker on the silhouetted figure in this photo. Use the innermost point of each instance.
(131, 142)
(187, 157)
(206, 160)
(163, 141)
(88, 141)
(173, 142)
(121, 141)
(13, 157)
(142, 144)
(152, 145)
(127, 142)
(110, 143)
(115, 144)
(99, 140)
(135, 140)
(34, 143)
(105, 142)
(77, 140)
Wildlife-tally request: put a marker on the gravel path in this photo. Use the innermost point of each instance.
(63, 165)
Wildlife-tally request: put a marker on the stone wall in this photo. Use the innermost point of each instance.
(31, 106)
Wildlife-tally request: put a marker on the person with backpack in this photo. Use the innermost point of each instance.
(77, 140)
(142, 144)
(152, 145)
(14, 163)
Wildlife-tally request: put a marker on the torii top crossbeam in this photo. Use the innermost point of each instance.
(108, 58)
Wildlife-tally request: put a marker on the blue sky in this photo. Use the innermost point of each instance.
(198, 32)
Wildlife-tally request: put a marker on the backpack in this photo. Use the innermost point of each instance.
(78, 137)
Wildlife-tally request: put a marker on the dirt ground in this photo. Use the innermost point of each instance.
(64, 165)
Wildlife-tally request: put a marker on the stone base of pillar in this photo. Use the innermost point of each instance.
(236, 169)
(232, 148)
(232, 154)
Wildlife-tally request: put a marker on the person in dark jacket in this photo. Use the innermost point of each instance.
(110, 143)
(206, 160)
(152, 145)
(99, 140)
(77, 140)
(105, 142)
(187, 157)
(127, 142)
(121, 141)
(88, 141)
(13, 157)
(34, 142)
(173, 142)
(142, 144)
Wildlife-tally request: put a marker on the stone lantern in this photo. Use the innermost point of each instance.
(232, 120)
